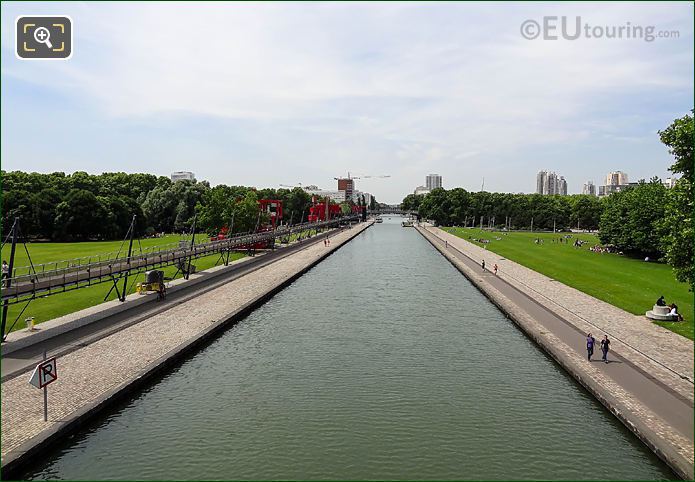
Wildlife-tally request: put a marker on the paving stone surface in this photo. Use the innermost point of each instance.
(661, 352)
(90, 372)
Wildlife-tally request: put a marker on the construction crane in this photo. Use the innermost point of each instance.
(347, 184)
(361, 177)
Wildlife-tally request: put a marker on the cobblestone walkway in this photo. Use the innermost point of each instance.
(660, 352)
(90, 372)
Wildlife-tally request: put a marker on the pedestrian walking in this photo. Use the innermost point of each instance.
(446, 244)
(494, 268)
(590, 342)
(483, 265)
(325, 242)
(5, 272)
(605, 346)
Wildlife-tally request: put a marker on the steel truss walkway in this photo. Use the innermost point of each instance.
(41, 282)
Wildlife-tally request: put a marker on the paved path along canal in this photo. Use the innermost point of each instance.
(382, 362)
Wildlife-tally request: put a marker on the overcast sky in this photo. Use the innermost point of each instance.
(268, 93)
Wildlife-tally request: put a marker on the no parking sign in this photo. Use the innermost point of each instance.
(44, 374)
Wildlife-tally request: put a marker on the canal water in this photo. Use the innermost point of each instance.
(382, 362)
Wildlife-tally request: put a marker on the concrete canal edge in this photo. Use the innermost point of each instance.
(18, 459)
(550, 345)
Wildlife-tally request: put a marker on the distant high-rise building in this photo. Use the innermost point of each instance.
(433, 181)
(669, 182)
(182, 176)
(589, 188)
(615, 181)
(335, 196)
(540, 181)
(616, 178)
(357, 196)
(348, 185)
(562, 186)
(421, 190)
(548, 182)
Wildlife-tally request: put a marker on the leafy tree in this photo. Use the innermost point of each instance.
(215, 209)
(436, 206)
(296, 204)
(585, 211)
(117, 216)
(678, 137)
(134, 209)
(15, 204)
(631, 219)
(246, 214)
(80, 180)
(412, 202)
(171, 206)
(159, 208)
(677, 224)
(345, 208)
(43, 206)
(460, 202)
(79, 216)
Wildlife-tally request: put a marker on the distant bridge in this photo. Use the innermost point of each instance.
(392, 211)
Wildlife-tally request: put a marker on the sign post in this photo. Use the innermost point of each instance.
(45, 398)
(43, 375)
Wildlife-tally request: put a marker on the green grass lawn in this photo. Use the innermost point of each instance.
(628, 283)
(43, 309)
(305, 233)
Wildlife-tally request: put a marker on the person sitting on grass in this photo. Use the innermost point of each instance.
(674, 312)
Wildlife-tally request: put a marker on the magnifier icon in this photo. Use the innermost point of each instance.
(43, 36)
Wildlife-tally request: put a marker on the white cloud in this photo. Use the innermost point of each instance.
(405, 88)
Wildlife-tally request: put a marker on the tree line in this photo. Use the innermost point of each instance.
(517, 211)
(82, 206)
(646, 220)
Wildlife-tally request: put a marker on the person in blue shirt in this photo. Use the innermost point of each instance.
(590, 342)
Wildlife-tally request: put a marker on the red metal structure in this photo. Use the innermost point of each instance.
(222, 234)
(273, 208)
(317, 212)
